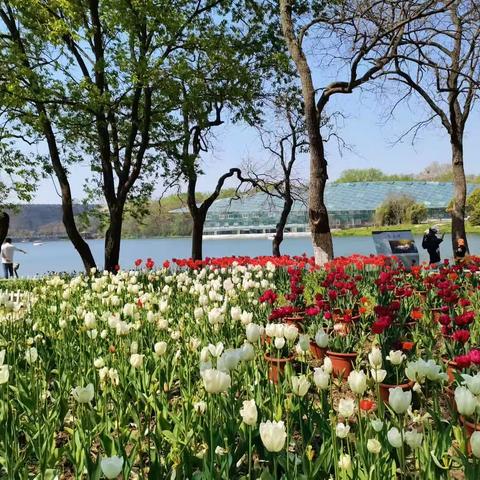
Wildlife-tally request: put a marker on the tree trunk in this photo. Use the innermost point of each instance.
(278, 237)
(317, 211)
(460, 195)
(4, 226)
(113, 238)
(197, 235)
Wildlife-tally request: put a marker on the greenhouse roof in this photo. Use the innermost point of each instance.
(349, 196)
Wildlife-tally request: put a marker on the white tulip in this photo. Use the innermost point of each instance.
(304, 342)
(377, 425)
(396, 357)
(345, 461)
(99, 362)
(465, 400)
(273, 435)
(249, 412)
(112, 466)
(342, 430)
(327, 365)
(475, 443)
(375, 358)
(394, 437)
(229, 360)
(374, 446)
(247, 352)
(89, 320)
(279, 342)
(357, 382)
(346, 407)
(321, 378)
(413, 439)
(200, 407)
(253, 332)
(378, 375)
(215, 381)
(399, 400)
(321, 338)
(136, 360)
(300, 385)
(31, 355)
(215, 350)
(270, 330)
(290, 332)
(4, 374)
(235, 313)
(160, 348)
(472, 383)
(83, 395)
(246, 318)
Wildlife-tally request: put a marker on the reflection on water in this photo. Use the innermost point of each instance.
(61, 256)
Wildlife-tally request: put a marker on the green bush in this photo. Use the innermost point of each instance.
(473, 207)
(398, 209)
(416, 213)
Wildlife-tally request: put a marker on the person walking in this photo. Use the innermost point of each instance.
(431, 243)
(7, 252)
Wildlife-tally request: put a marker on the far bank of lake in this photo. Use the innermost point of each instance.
(59, 255)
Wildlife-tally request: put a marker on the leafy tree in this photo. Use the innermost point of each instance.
(359, 39)
(370, 175)
(438, 62)
(100, 81)
(18, 180)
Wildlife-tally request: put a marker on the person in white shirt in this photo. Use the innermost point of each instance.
(7, 257)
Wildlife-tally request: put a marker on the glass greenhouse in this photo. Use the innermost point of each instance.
(348, 204)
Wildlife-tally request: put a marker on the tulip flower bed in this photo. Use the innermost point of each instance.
(244, 368)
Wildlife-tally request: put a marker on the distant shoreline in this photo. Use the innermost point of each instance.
(347, 232)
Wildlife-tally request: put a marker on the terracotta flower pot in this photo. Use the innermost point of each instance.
(277, 366)
(452, 367)
(317, 352)
(385, 389)
(469, 428)
(342, 363)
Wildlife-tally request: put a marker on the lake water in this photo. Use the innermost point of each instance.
(61, 256)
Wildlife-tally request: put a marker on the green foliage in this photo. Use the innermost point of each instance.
(434, 172)
(473, 207)
(18, 176)
(399, 209)
(370, 175)
(416, 213)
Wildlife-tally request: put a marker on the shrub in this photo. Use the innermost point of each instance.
(398, 209)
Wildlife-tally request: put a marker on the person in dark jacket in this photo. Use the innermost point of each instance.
(431, 243)
(460, 251)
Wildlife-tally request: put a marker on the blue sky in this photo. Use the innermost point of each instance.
(364, 128)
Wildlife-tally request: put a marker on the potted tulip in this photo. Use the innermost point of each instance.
(456, 335)
(388, 373)
(344, 341)
(466, 402)
(279, 348)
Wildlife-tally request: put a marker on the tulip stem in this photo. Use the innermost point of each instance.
(249, 452)
(212, 450)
